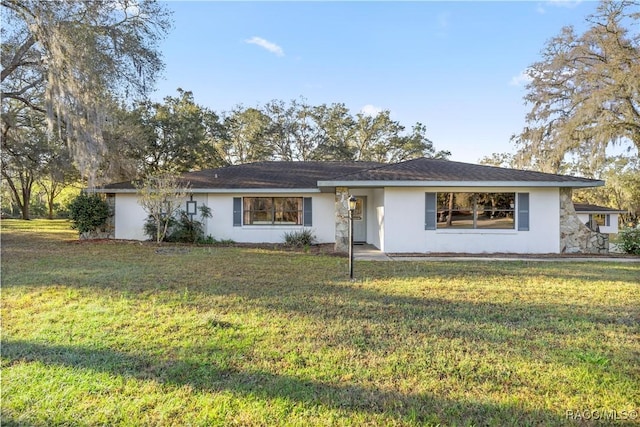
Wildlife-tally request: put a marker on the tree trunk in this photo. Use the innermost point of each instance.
(52, 192)
(450, 215)
(21, 196)
(24, 210)
(26, 198)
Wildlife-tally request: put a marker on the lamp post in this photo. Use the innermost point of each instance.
(352, 208)
(192, 207)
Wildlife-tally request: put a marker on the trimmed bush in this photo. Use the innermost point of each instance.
(88, 212)
(629, 240)
(299, 238)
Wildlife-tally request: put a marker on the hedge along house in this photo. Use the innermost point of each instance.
(417, 206)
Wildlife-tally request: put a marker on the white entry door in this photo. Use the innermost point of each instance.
(360, 220)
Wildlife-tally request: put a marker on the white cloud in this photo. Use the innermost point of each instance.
(569, 4)
(370, 110)
(271, 47)
(564, 3)
(520, 80)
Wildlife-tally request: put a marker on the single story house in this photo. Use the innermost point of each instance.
(600, 218)
(416, 206)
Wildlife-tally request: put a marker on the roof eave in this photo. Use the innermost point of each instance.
(216, 190)
(570, 184)
(612, 211)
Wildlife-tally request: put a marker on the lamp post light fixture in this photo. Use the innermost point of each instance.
(352, 208)
(192, 207)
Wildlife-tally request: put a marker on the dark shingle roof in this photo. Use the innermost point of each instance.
(277, 175)
(584, 207)
(307, 175)
(439, 170)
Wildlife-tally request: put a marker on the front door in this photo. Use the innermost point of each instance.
(360, 220)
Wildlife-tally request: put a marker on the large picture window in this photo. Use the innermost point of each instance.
(272, 211)
(476, 210)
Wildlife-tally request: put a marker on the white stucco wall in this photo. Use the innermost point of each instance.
(395, 222)
(220, 225)
(129, 218)
(374, 213)
(584, 217)
(404, 225)
(377, 218)
(613, 221)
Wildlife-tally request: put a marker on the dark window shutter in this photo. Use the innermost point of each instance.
(430, 211)
(307, 213)
(523, 211)
(237, 211)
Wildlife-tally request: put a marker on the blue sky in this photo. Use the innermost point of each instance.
(453, 66)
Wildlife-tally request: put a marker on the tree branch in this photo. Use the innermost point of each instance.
(16, 61)
(23, 100)
(23, 90)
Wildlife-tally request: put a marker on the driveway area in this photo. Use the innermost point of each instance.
(371, 253)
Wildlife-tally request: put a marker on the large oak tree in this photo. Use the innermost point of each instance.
(585, 91)
(76, 56)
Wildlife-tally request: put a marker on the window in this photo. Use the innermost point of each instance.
(475, 210)
(272, 211)
(603, 220)
(357, 213)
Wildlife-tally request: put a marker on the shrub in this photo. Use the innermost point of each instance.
(210, 240)
(183, 229)
(186, 230)
(151, 227)
(88, 212)
(299, 238)
(629, 240)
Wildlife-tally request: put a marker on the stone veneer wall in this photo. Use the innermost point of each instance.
(575, 237)
(342, 219)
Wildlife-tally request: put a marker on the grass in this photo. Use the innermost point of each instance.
(122, 333)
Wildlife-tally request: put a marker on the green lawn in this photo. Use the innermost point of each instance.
(122, 333)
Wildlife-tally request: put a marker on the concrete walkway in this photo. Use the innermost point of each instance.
(371, 253)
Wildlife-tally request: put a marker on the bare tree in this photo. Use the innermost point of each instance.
(161, 196)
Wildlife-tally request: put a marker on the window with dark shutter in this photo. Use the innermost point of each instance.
(430, 211)
(237, 212)
(475, 211)
(523, 211)
(273, 211)
(307, 213)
